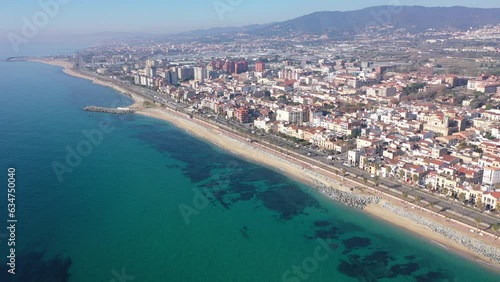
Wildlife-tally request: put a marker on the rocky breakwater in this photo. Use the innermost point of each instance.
(474, 245)
(354, 200)
(109, 110)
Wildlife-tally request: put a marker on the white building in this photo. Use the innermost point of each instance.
(381, 91)
(150, 72)
(491, 176)
(289, 74)
(353, 157)
(151, 63)
(290, 115)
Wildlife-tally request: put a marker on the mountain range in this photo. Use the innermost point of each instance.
(414, 19)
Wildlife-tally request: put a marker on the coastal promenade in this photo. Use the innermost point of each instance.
(293, 164)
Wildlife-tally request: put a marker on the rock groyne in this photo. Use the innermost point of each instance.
(354, 200)
(109, 110)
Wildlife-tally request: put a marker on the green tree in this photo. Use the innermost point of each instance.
(462, 145)
(376, 180)
(415, 178)
(405, 196)
(401, 174)
(444, 191)
(478, 221)
(418, 199)
(387, 170)
(365, 180)
(495, 228)
(461, 197)
(363, 163)
(429, 187)
(479, 203)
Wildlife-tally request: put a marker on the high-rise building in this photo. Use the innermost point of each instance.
(150, 71)
(171, 78)
(241, 66)
(200, 73)
(185, 73)
(260, 67)
(151, 63)
(229, 67)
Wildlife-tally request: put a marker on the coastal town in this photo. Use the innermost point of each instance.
(416, 117)
(241, 141)
(426, 114)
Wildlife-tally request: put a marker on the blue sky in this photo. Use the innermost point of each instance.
(164, 16)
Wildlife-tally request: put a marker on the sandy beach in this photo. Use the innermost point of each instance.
(302, 172)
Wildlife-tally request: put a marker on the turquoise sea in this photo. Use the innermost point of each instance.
(129, 198)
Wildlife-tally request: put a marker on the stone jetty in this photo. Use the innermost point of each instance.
(354, 200)
(474, 245)
(109, 110)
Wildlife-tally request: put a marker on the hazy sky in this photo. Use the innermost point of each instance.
(164, 16)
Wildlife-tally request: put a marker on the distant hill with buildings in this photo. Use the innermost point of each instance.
(414, 19)
(411, 18)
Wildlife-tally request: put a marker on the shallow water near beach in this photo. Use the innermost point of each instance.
(151, 203)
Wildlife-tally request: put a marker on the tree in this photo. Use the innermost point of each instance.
(363, 163)
(444, 191)
(479, 203)
(387, 170)
(461, 197)
(376, 180)
(365, 180)
(418, 199)
(401, 174)
(415, 178)
(495, 228)
(405, 196)
(478, 221)
(429, 187)
(462, 145)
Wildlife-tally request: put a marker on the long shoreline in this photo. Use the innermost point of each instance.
(301, 172)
